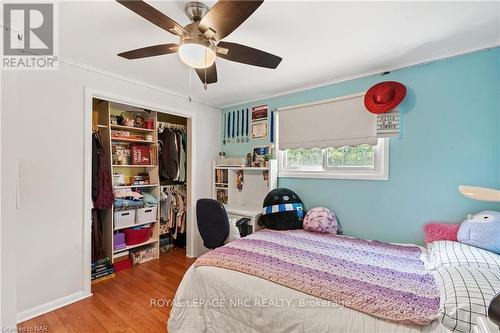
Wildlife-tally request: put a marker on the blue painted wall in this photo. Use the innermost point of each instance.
(450, 137)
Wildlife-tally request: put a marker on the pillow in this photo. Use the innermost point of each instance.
(482, 230)
(449, 253)
(321, 219)
(440, 231)
(466, 293)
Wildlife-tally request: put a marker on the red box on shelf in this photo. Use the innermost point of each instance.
(140, 154)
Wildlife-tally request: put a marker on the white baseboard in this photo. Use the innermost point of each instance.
(50, 306)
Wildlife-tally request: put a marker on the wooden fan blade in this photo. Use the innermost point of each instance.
(154, 16)
(248, 55)
(150, 51)
(225, 16)
(211, 74)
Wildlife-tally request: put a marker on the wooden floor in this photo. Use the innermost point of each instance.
(122, 304)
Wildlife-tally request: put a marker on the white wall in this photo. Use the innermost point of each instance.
(43, 127)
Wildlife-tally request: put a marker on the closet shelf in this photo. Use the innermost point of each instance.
(134, 225)
(131, 128)
(115, 139)
(133, 166)
(130, 247)
(133, 186)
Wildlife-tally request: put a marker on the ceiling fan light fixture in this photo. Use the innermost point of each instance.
(196, 52)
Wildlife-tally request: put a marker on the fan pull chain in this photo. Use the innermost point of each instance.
(205, 81)
(190, 81)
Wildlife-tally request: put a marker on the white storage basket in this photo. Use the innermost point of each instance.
(147, 214)
(124, 218)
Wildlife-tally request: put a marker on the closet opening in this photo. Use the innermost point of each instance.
(141, 186)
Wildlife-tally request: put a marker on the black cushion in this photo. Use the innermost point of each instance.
(213, 222)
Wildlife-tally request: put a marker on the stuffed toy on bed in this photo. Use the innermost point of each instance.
(282, 210)
(481, 230)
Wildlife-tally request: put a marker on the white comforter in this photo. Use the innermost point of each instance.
(211, 299)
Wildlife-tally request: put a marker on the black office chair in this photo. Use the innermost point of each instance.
(213, 223)
(494, 310)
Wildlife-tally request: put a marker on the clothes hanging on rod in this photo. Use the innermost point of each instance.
(102, 187)
(173, 210)
(172, 139)
(102, 194)
(97, 237)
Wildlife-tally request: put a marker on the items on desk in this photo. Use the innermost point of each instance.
(261, 156)
(239, 180)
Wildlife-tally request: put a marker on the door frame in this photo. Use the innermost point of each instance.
(91, 93)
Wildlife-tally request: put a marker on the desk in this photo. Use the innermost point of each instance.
(253, 213)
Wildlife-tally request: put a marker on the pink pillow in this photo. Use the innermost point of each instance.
(321, 219)
(435, 231)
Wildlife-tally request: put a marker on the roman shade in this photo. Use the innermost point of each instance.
(332, 123)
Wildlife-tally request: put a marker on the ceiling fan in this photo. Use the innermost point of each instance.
(200, 41)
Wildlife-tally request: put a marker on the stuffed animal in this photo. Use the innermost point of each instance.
(323, 220)
(282, 210)
(481, 230)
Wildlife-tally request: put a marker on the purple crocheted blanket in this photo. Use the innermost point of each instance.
(385, 280)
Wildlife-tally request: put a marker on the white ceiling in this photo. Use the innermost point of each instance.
(318, 41)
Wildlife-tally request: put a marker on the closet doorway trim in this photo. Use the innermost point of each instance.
(91, 93)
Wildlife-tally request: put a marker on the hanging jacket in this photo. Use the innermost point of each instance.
(168, 161)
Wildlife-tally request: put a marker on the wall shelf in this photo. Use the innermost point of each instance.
(256, 185)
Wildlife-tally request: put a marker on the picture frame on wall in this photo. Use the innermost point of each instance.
(259, 113)
(259, 129)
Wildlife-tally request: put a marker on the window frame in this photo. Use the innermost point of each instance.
(380, 171)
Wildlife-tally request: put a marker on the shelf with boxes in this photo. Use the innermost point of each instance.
(131, 225)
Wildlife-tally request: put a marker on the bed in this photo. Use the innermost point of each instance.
(217, 296)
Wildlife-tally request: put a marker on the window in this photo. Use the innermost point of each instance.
(360, 162)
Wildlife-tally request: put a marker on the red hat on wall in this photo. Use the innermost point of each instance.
(384, 96)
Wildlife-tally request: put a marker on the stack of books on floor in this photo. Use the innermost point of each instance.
(102, 269)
